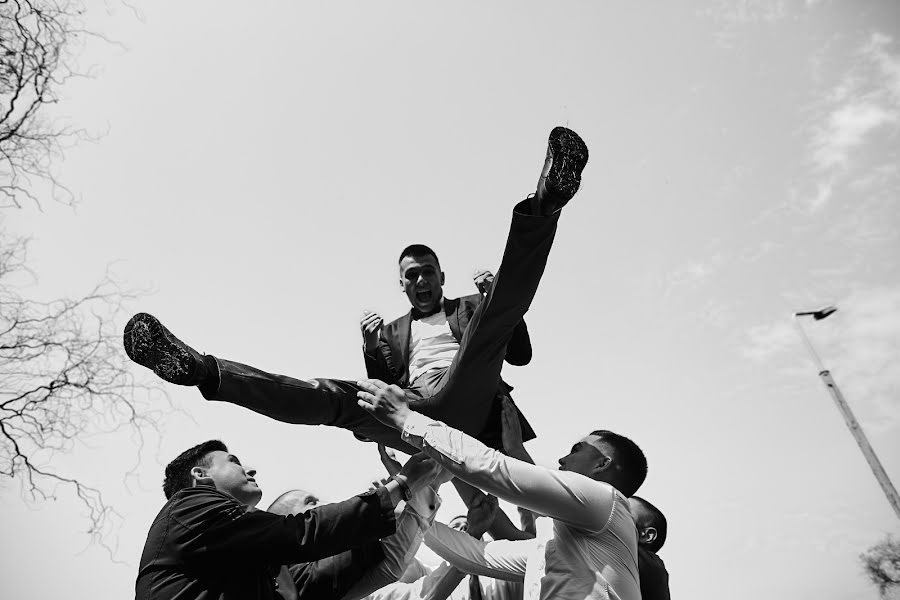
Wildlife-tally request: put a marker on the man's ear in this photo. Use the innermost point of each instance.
(199, 476)
(647, 535)
(442, 278)
(603, 463)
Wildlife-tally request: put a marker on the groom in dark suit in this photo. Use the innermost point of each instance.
(416, 350)
(451, 375)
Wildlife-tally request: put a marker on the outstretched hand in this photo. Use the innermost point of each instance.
(481, 514)
(387, 403)
(389, 459)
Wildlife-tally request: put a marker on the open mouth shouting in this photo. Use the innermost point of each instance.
(424, 296)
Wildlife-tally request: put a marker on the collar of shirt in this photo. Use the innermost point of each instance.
(418, 314)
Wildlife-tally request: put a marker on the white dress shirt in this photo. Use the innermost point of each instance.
(591, 528)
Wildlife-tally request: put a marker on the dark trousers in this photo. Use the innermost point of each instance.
(462, 395)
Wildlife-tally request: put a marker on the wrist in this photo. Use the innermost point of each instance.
(400, 418)
(404, 485)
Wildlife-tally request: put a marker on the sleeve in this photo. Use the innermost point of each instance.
(518, 349)
(568, 497)
(441, 582)
(331, 577)
(400, 548)
(215, 528)
(380, 364)
(501, 559)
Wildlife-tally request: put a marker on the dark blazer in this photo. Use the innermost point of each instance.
(205, 545)
(390, 361)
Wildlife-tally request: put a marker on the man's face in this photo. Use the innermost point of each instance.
(583, 458)
(459, 524)
(229, 476)
(422, 280)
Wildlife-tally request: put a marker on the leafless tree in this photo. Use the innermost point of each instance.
(39, 43)
(882, 565)
(64, 377)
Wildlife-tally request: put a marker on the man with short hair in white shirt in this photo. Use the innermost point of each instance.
(591, 529)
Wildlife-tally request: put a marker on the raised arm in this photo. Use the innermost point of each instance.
(569, 497)
(376, 351)
(501, 559)
(399, 548)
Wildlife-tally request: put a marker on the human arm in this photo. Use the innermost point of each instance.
(377, 353)
(399, 548)
(569, 497)
(208, 525)
(502, 559)
(501, 528)
(331, 577)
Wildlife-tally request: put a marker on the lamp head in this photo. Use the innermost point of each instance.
(824, 312)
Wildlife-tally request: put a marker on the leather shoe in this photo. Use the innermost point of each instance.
(567, 155)
(150, 344)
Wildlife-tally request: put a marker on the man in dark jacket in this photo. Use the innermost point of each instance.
(652, 529)
(466, 401)
(208, 542)
(417, 351)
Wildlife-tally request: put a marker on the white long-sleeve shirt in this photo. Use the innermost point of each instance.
(592, 529)
(401, 547)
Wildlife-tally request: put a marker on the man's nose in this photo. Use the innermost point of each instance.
(251, 472)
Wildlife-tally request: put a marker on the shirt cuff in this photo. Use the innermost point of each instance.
(415, 427)
(384, 502)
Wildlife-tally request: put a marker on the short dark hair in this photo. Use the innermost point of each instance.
(415, 250)
(658, 522)
(178, 472)
(629, 459)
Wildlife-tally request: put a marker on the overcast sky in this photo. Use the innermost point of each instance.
(260, 166)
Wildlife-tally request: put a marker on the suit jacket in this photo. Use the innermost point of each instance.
(390, 361)
(205, 545)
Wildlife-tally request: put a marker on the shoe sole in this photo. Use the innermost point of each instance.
(570, 155)
(149, 344)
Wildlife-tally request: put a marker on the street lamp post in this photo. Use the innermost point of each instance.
(880, 474)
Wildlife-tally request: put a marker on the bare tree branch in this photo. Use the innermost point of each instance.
(39, 40)
(63, 377)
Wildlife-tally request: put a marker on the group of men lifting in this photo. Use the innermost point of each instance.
(434, 390)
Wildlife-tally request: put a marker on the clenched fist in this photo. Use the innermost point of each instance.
(370, 325)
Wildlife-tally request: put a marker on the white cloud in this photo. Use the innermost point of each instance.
(845, 129)
(852, 112)
(693, 273)
(766, 341)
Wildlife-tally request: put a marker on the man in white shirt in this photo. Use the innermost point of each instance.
(591, 529)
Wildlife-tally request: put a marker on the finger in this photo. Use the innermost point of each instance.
(373, 386)
(365, 405)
